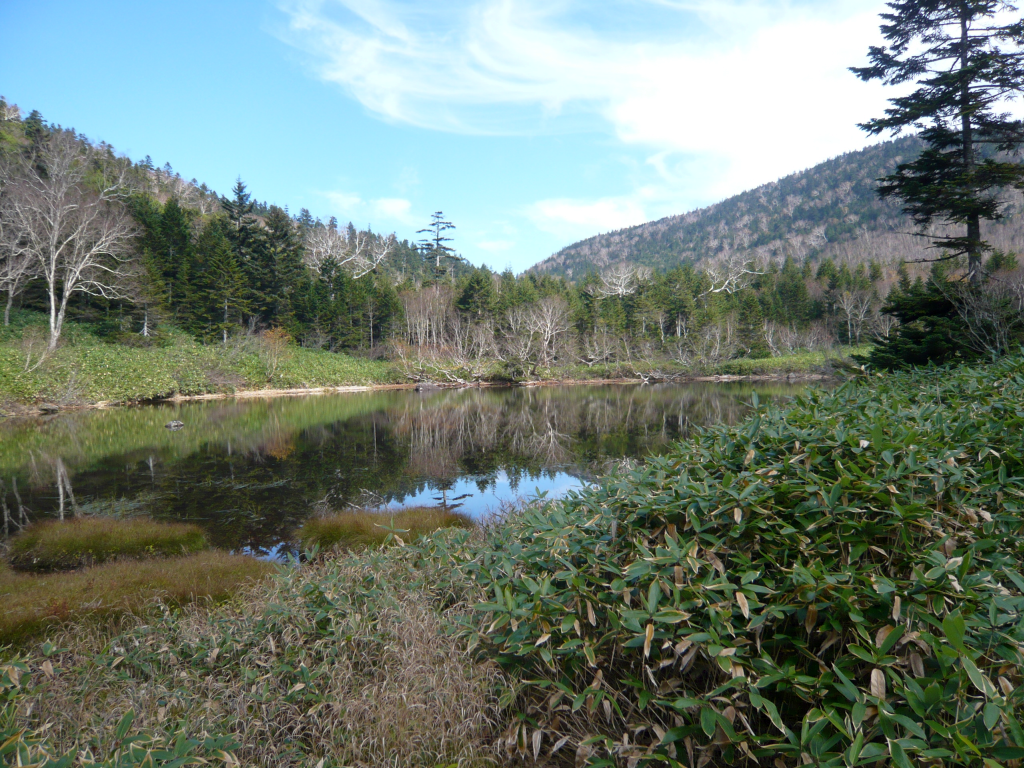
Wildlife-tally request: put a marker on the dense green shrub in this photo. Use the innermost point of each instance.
(837, 583)
(62, 546)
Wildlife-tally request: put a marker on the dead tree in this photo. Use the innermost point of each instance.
(358, 255)
(71, 220)
(17, 267)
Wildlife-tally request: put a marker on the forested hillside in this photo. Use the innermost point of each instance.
(828, 211)
(135, 256)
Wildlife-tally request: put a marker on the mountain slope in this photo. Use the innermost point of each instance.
(828, 210)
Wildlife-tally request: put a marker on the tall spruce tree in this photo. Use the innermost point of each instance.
(966, 63)
(435, 246)
(285, 269)
(249, 243)
(220, 286)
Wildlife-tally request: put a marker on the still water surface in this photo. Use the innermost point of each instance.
(250, 471)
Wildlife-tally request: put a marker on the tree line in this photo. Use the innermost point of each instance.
(88, 234)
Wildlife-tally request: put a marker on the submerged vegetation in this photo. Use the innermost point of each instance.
(836, 580)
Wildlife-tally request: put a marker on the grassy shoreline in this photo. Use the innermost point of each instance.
(839, 578)
(87, 371)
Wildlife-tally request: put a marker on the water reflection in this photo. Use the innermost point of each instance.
(251, 471)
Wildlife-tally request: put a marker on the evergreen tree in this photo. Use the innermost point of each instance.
(751, 325)
(435, 246)
(252, 254)
(966, 64)
(284, 270)
(219, 284)
(477, 295)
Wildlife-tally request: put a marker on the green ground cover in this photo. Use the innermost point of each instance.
(86, 368)
(37, 604)
(837, 581)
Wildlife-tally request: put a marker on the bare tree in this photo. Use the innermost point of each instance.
(548, 319)
(856, 306)
(359, 255)
(992, 313)
(730, 274)
(621, 280)
(17, 267)
(71, 220)
(9, 111)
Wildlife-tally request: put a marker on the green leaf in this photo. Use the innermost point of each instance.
(708, 721)
(981, 682)
(899, 756)
(955, 628)
(991, 715)
(124, 725)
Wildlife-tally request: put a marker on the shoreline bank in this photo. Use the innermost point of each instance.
(23, 410)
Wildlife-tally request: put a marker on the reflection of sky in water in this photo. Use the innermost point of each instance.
(251, 472)
(499, 489)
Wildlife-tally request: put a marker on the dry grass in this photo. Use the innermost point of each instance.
(343, 661)
(63, 546)
(357, 530)
(32, 603)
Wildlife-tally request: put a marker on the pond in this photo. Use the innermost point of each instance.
(250, 471)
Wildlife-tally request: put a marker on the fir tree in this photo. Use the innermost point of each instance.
(435, 246)
(220, 284)
(966, 64)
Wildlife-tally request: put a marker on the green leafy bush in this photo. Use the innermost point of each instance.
(127, 747)
(834, 584)
(63, 546)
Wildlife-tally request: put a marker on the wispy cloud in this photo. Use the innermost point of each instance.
(570, 219)
(722, 95)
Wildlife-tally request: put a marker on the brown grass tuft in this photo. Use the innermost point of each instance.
(32, 603)
(342, 662)
(358, 530)
(64, 546)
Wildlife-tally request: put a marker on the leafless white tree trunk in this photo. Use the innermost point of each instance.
(72, 222)
(731, 274)
(17, 267)
(359, 255)
(622, 280)
(549, 319)
(856, 306)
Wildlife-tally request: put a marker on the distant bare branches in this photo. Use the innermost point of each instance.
(359, 253)
(731, 274)
(621, 280)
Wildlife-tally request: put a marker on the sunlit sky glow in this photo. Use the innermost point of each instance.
(530, 124)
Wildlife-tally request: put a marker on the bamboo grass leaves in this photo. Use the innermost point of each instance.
(836, 583)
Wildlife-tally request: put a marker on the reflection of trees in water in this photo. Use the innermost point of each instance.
(251, 472)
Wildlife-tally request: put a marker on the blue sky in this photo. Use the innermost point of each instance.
(530, 123)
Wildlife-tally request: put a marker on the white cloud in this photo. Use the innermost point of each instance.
(343, 202)
(570, 219)
(378, 212)
(393, 208)
(722, 95)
